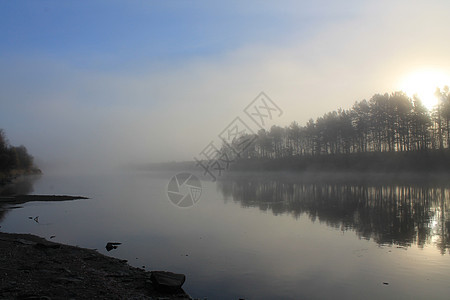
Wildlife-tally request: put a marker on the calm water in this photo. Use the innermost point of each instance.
(260, 237)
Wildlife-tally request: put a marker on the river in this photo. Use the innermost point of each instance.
(253, 236)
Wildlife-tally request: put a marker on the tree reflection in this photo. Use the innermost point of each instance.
(389, 213)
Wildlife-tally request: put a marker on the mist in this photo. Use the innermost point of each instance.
(85, 115)
(251, 150)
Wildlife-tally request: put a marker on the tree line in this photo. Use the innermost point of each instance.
(13, 158)
(385, 123)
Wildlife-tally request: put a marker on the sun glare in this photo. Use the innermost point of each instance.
(423, 83)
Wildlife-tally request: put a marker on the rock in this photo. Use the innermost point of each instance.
(26, 242)
(35, 297)
(112, 245)
(65, 280)
(46, 246)
(167, 280)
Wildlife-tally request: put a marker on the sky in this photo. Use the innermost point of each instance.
(103, 83)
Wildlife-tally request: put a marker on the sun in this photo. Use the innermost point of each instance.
(423, 83)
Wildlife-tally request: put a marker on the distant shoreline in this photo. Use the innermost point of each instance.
(431, 161)
(387, 162)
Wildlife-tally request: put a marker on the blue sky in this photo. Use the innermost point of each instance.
(108, 34)
(157, 80)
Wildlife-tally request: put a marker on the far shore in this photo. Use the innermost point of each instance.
(413, 162)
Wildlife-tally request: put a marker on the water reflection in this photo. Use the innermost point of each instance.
(394, 212)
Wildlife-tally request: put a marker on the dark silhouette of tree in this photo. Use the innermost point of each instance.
(420, 126)
(264, 144)
(3, 141)
(7, 159)
(442, 116)
(294, 133)
(386, 123)
(277, 136)
(361, 118)
(23, 160)
(13, 158)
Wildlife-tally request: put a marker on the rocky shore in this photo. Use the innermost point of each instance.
(34, 268)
